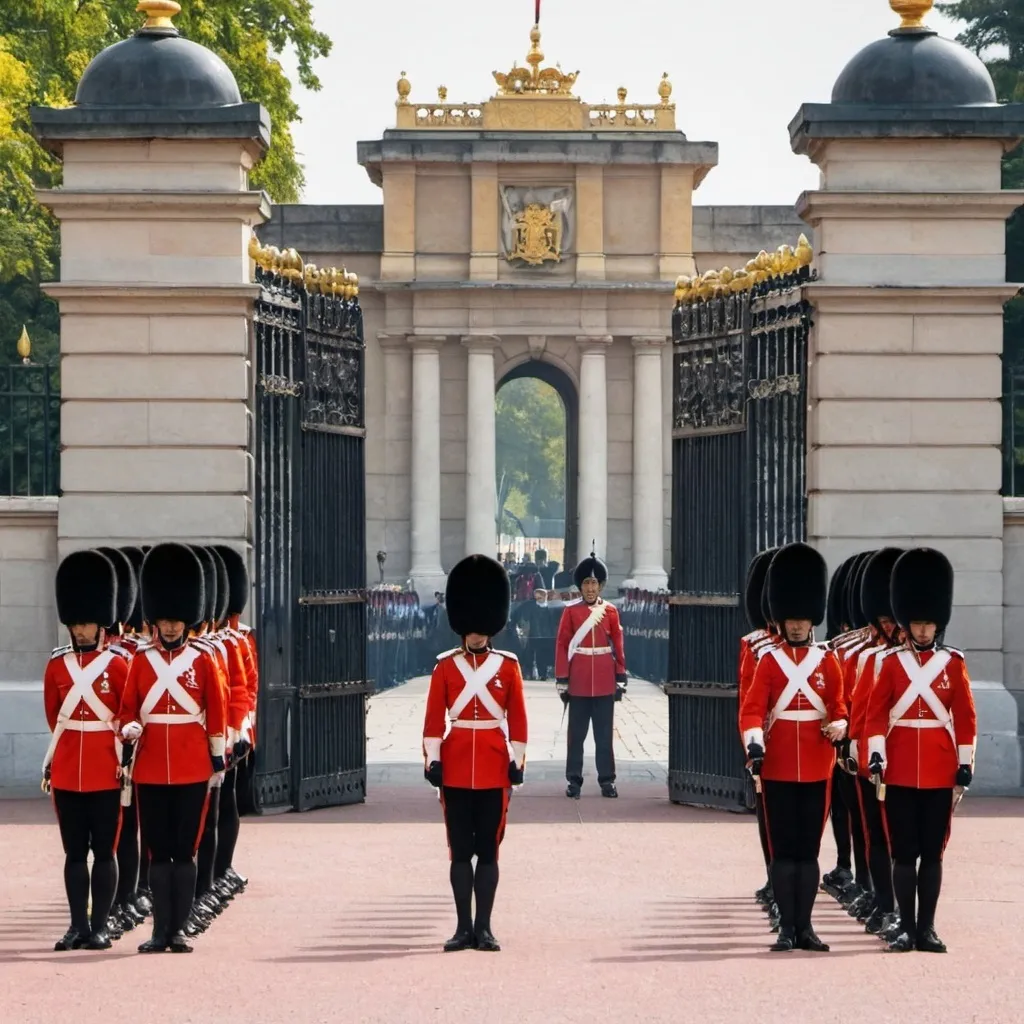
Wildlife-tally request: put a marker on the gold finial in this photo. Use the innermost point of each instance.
(804, 252)
(912, 11)
(404, 87)
(665, 89)
(534, 79)
(24, 345)
(536, 55)
(442, 93)
(621, 93)
(158, 12)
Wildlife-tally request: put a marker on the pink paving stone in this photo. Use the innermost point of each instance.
(625, 911)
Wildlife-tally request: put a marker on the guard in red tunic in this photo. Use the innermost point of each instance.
(590, 674)
(174, 708)
(82, 689)
(476, 693)
(791, 716)
(922, 731)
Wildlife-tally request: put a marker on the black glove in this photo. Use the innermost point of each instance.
(240, 749)
(964, 775)
(218, 763)
(515, 774)
(847, 759)
(621, 680)
(619, 692)
(127, 750)
(433, 774)
(755, 754)
(563, 695)
(875, 764)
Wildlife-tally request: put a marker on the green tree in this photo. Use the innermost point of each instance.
(530, 448)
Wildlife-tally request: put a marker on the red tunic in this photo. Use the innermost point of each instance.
(861, 671)
(590, 675)
(796, 749)
(86, 757)
(750, 645)
(475, 755)
(921, 749)
(178, 735)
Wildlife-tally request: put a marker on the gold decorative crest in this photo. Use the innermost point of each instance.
(537, 235)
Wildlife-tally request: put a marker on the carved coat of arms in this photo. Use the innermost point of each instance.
(536, 224)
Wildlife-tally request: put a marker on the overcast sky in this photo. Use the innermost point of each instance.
(740, 68)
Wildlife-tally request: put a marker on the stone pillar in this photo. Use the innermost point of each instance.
(397, 426)
(425, 472)
(676, 251)
(904, 375)
(483, 258)
(590, 222)
(648, 471)
(481, 526)
(398, 260)
(593, 446)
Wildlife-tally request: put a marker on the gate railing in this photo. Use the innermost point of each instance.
(310, 535)
(29, 429)
(739, 486)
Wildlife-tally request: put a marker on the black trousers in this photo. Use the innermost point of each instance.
(762, 830)
(877, 843)
(227, 825)
(582, 712)
(128, 852)
(795, 815)
(172, 819)
(840, 814)
(844, 786)
(919, 821)
(475, 822)
(88, 821)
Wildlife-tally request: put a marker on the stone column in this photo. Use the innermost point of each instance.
(648, 475)
(593, 446)
(676, 223)
(483, 259)
(425, 472)
(590, 222)
(481, 528)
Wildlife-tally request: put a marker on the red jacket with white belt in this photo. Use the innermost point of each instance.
(477, 694)
(600, 660)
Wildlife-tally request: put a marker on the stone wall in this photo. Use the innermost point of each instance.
(28, 633)
(1013, 609)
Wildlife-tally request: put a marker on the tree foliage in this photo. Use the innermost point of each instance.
(530, 448)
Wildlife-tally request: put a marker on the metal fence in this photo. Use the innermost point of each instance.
(29, 429)
(1013, 425)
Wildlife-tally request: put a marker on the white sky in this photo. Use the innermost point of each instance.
(740, 70)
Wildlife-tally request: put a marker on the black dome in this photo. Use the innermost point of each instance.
(913, 68)
(157, 70)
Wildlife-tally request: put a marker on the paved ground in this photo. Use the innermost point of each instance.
(621, 911)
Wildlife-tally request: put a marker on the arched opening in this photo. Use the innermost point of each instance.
(537, 415)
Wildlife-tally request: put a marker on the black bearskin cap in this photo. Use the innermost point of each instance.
(135, 556)
(757, 573)
(921, 588)
(797, 584)
(238, 579)
(209, 582)
(835, 605)
(127, 586)
(591, 567)
(172, 584)
(220, 612)
(86, 589)
(478, 596)
(853, 607)
(875, 599)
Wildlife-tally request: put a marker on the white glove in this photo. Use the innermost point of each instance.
(131, 732)
(233, 738)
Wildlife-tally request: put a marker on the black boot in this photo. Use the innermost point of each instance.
(104, 886)
(807, 876)
(608, 789)
(76, 886)
(160, 897)
(904, 885)
(572, 790)
(929, 885)
(785, 942)
(460, 874)
(183, 892)
(486, 885)
(785, 886)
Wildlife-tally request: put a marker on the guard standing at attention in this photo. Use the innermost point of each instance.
(590, 673)
(921, 730)
(474, 691)
(82, 689)
(791, 716)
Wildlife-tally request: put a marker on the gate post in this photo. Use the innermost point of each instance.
(905, 382)
(154, 294)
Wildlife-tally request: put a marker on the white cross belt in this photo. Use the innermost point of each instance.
(919, 723)
(593, 650)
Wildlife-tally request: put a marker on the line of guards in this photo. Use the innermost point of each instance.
(403, 637)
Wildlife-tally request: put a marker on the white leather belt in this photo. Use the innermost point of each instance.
(173, 719)
(593, 650)
(86, 725)
(475, 723)
(809, 715)
(920, 723)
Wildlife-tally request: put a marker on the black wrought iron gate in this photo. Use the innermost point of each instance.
(738, 486)
(310, 540)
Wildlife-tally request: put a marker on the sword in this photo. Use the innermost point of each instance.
(958, 795)
(127, 763)
(879, 787)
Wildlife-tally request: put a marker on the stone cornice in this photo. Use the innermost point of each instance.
(565, 285)
(118, 204)
(837, 298)
(152, 299)
(27, 511)
(816, 206)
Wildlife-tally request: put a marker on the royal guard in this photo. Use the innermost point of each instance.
(590, 674)
(475, 694)
(174, 708)
(878, 913)
(792, 714)
(922, 731)
(82, 689)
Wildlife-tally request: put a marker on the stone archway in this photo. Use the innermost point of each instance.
(564, 386)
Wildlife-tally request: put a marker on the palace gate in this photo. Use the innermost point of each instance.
(738, 487)
(310, 537)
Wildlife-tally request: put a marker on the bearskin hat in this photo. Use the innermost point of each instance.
(921, 588)
(127, 586)
(836, 615)
(223, 586)
(853, 607)
(875, 599)
(238, 578)
(478, 596)
(135, 556)
(590, 568)
(86, 589)
(172, 584)
(797, 584)
(757, 572)
(209, 582)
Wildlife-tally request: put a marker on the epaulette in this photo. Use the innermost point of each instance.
(506, 654)
(892, 650)
(121, 652)
(762, 650)
(448, 654)
(955, 651)
(755, 636)
(59, 652)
